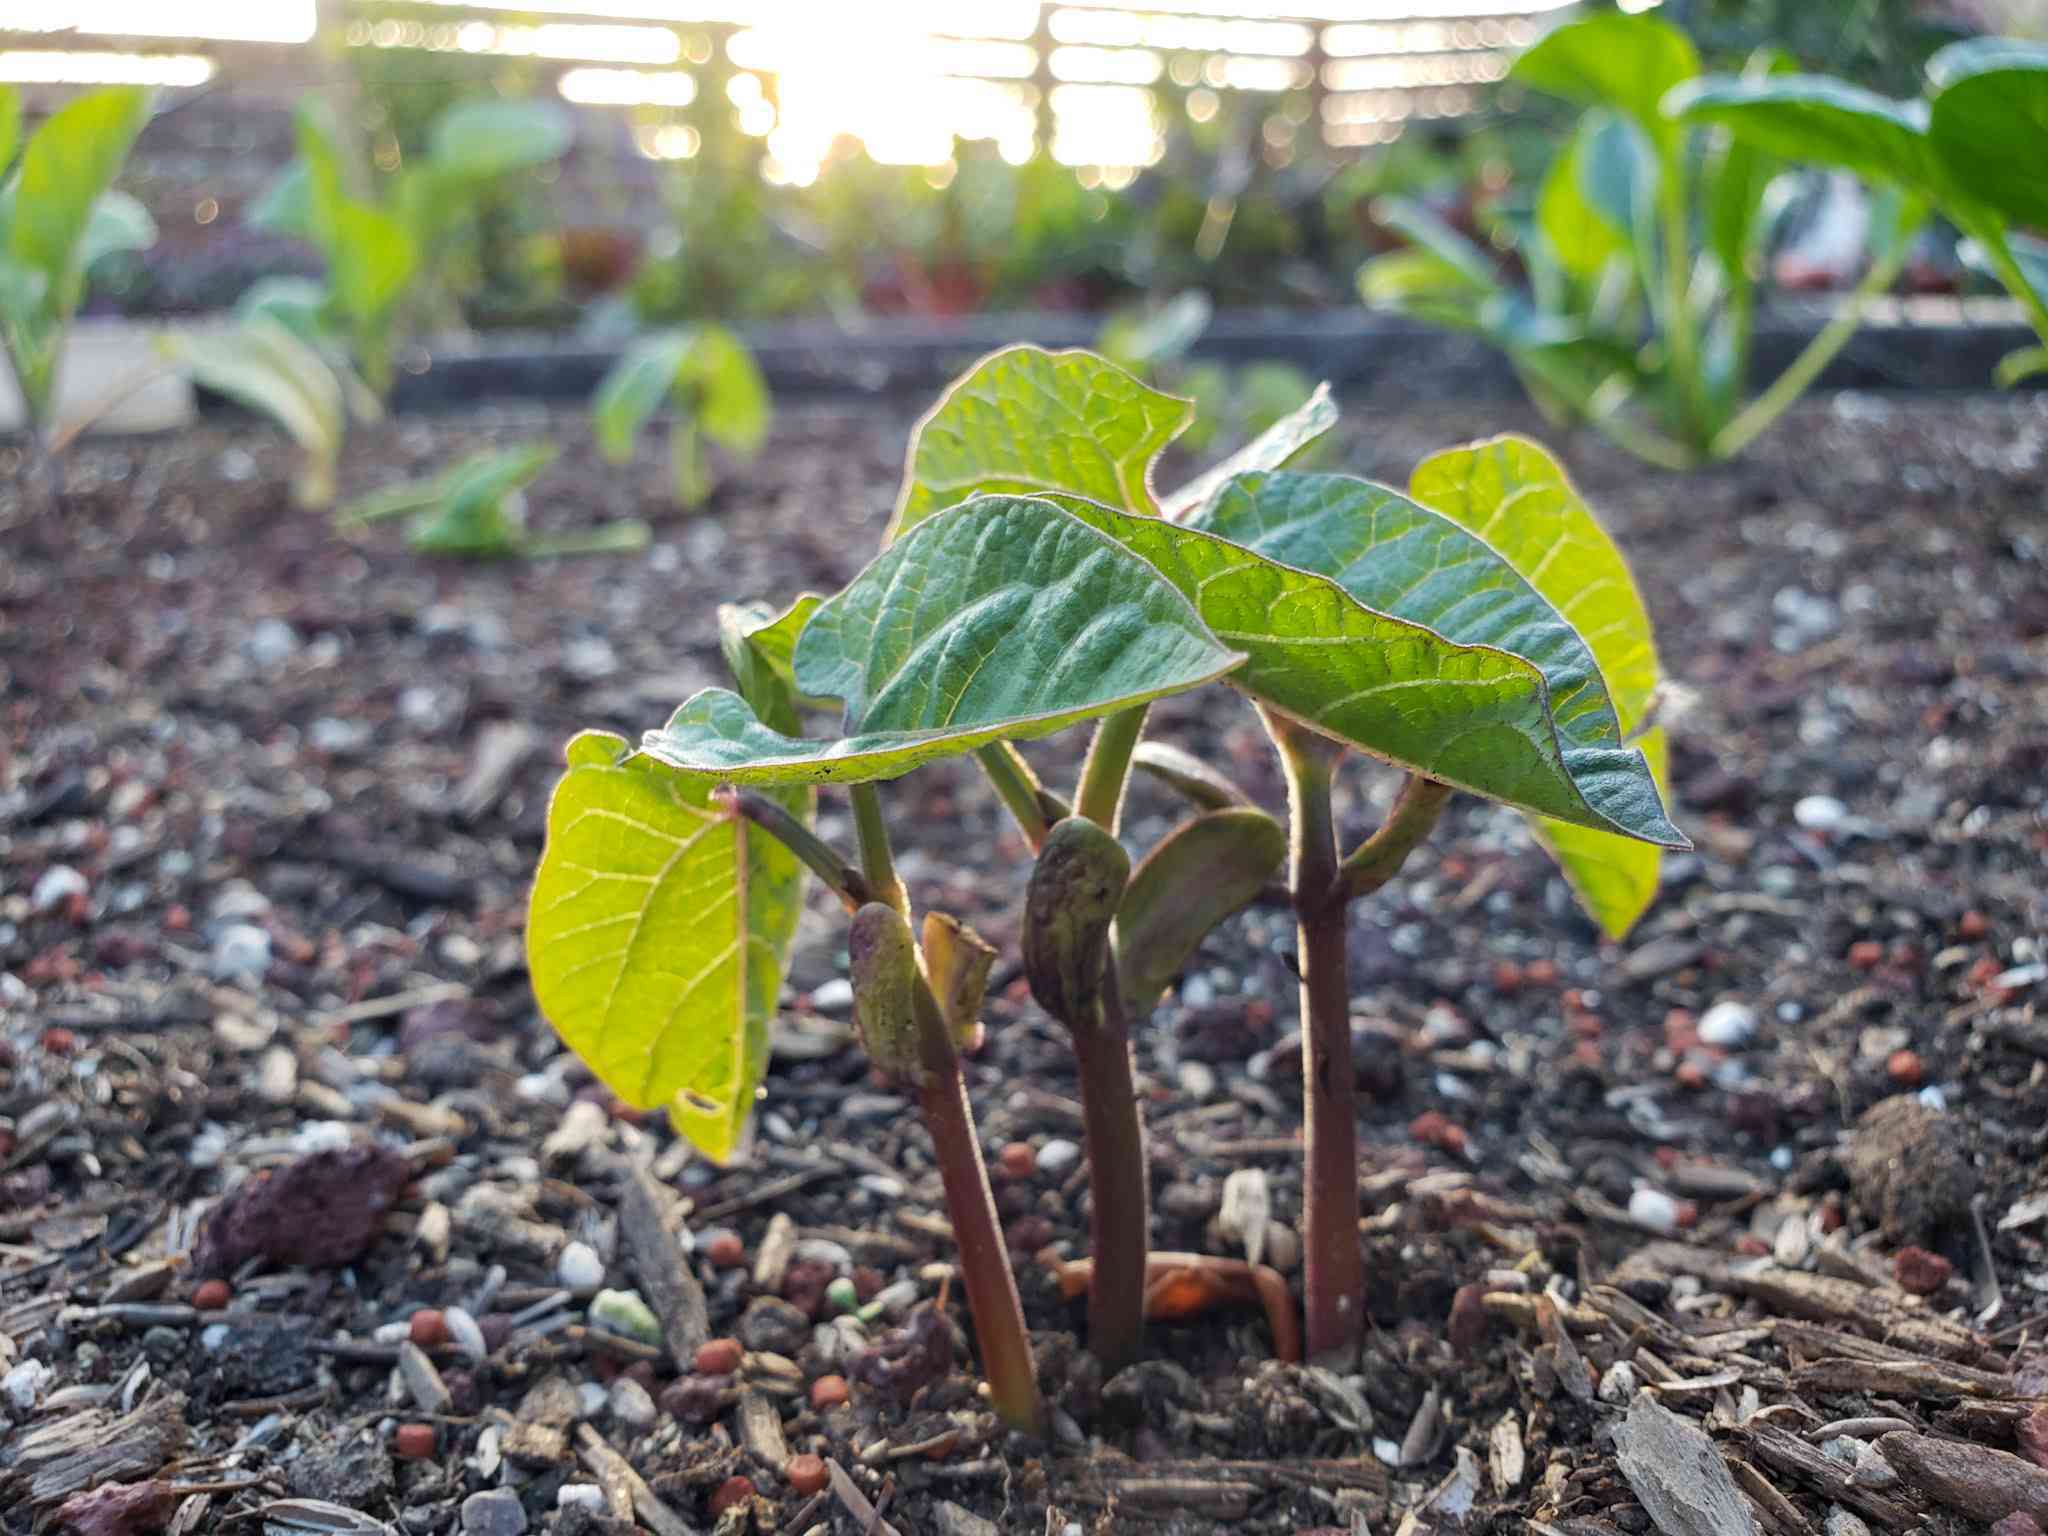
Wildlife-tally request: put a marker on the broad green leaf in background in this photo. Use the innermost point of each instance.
(117, 222)
(634, 389)
(716, 386)
(68, 163)
(1026, 420)
(1815, 120)
(286, 206)
(263, 365)
(372, 259)
(1275, 448)
(1513, 494)
(1613, 60)
(1989, 124)
(10, 125)
(1006, 619)
(1422, 228)
(1733, 181)
(1144, 339)
(1473, 716)
(656, 937)
(1579, 233)
(490, 138)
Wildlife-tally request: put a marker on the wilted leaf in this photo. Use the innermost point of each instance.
(882, 964)
(1026, 420)
(1004, 619)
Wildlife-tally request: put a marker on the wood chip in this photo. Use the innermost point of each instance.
(614, 1472)
(666, 1279)
(1787, 1453)
(1984, 1484)
(761, 1431)
(1900, 1378)
(1673, 1468)
(88, 1449)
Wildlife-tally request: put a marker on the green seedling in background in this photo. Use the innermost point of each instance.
(711, 383)
(1644, 254)
(58, 215)
(1973, 147)
(1033, 580)
(478, 508)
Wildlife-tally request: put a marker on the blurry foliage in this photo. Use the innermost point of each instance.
(1880, 44)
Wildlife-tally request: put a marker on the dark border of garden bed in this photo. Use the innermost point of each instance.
(1917, 344)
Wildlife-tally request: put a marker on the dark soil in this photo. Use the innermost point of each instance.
(231, 737)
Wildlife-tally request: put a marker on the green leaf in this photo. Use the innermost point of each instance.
(1144, 339)
(1733, 182)
(1415, 223)
(1005, 619)
(1422, 284)
(1275, 448)
(655, 939)
(730, 392)
(633, 389)
(1025, 420)
(760, 647)
(1579, 234)
(69, 163)
(479, 510)
(117, 223)
(1471, 714)
(1989, 124)
(1513, 494)
(372, 260)
(718, 387)
(10, 126)
(1200, 873)
(1815, 120)
(267, 368)
(1619, 61)
(292, 302)
(2016, 367)
(286, 206)
(490, 138)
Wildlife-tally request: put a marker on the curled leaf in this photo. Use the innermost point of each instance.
(1069, 906)
(957, 960)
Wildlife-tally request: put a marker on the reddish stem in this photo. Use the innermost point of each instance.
(1118, 1204)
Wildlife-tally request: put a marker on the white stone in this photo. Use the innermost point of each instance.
(1654, 1209)
(59, 883)
(1728, 1025)
(1820, 813)
(1058, 1155)
(580, 1269)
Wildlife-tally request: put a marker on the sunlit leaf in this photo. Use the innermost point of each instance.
(1143, 339)
(1004, 619)
(1275, 448)
(67, 165)
(1580, 236)
(1513, 494)
(1989, 124)
(1614, 60)
(491, 137)
(1026, 420)
(714, 384)
(655, 939)
(116, 223)
(267, 368)
(1815, 120)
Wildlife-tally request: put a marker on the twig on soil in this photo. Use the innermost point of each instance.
(665, 1276)
(613, 1473)
(865, 1515)
(384, 1007)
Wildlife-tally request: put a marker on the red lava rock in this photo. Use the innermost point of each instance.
(1866, 954)
(829, 1392)
(1585, 1026)
(724, 1250)
(212, 1295)
(868, 1281)
(806, 1474)
(1540, 973)
(414, 1442)
(1018, 1160)
(1028, 1234)
(804, 1286)
(178, 919)
(734, 1490)
(1467, 1327)
(59, 1042)
(1507, 976)
(1750, 1246)
(1434, 1129)
(1905, 1069)
(1688, 1215)
(718, 1357)
(1586, 1053)
(429, 1328)
(119, 1509)
(2033, 1436)
(1973, 925)
(1921, 1272)
(320, 1212)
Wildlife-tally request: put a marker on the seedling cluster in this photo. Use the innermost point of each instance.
(1479, 631)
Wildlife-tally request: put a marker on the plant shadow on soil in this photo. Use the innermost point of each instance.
(234, 727)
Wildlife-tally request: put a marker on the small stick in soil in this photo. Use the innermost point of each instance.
(665, 1274)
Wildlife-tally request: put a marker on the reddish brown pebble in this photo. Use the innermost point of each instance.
(414, 1442)
(1507, 976)
(1681, 1029)
(1750, 1246)
(1691, 1075)
(734, 1490)
(429, 1328)
(1921, 1272)
(1865, 954)
(1973, 925)
(1904, 1068)
(211, 1296)
(1540, 973)
(1830, 1215)
(1688, 1215)
(806, 1474)
(178, 919)
(718, 1357)
(2032, 1435)
(1017, 1160)
(829, 1392)
(724, 1250)
(59, 1042)
(1467, 1327)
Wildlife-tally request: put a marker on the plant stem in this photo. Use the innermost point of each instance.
(1100, 797)
(970, 1204)
(1680, 323)
(1017, 787)
(618, 538)
(1999, 250)
(1119, 1197)
(1334, 1268)
(825, 861)
(876, 859)
(1379, 858)
(1767, 407)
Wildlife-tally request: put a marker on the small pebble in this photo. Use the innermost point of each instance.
(211, 1296)
(1728, 1025)
(1921, 1272)
(1866, 954)
(724, 1250)
(842, 1295)
(1017, 1160)
(806, 1474)
(632, 1408)
(718, 1357)
(1905, 1069)
(1820, 813)
(1973, 925)
(579, 1269)
(413, 1442)
(829, 1392)
(624, 1313)
(59, 883)
(467, 1334)
(731, 1492)
(1654, 1209)
(585, 1496)
(494, 1512)
(428, 1328)
(1058, 1155)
